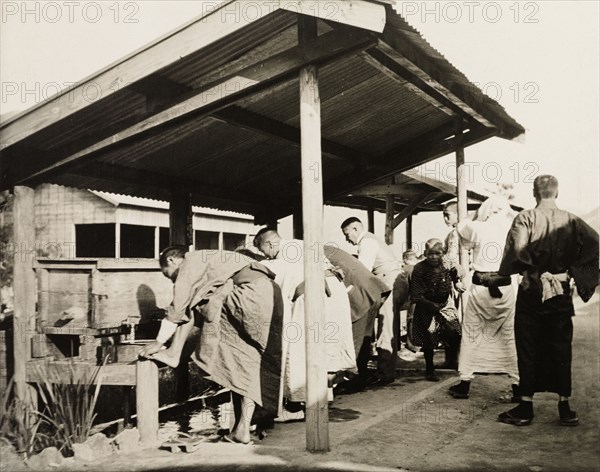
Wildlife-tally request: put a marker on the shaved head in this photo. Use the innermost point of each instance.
(545, 186)
(434, 243)
(267, 240)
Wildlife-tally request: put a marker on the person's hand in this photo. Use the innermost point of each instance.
(432, 326)
(149, 349)
(460, 287)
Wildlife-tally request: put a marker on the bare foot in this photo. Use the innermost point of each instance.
(166, 358)
(240, 437)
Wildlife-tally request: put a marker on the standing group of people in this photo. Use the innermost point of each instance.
(524, 328)
(245, 303)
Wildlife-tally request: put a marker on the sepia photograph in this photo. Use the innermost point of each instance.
(299, 235)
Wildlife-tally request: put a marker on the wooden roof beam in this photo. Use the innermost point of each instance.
(385, 57)
(159, 92)
(324, 49)
(254, 122)
(427, 147)
(398, 190)
(410, 208)
(196, 34)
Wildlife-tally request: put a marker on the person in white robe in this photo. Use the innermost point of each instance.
(488, 342)
(286, 262)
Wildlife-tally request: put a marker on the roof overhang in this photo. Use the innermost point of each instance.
(212, 109)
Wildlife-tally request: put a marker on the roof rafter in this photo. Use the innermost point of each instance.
(254, 122)
(323, 49)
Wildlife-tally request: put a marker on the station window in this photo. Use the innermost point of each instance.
(95, 240)
(206, 240)
(137, 241)
(232, 241)
(164, 238)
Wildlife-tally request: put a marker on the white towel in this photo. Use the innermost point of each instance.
(551, 285)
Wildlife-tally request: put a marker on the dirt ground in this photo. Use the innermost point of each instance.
(414, 425)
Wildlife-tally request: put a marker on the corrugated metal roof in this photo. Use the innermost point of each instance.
(119, 200)
(367, 115)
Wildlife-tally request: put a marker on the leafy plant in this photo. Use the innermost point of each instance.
(21, 424)
(69, 406)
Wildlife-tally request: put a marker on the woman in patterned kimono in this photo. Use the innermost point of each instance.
(435, 318)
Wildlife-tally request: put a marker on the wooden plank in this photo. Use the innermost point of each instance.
(404, 68)
(117, 240)
(461, 195)
(254, 122)
(156, 242)
(146, 397)
(430, 145)
(43, 277)
(62, 371)
(107, 263)
(321, 50)
(389, 219)
(83, 331)
(371, 220)
(410, 208)
(375, 62)
(66, 264)
(180, 218)
(24, 285)
(419, 175)
(317, 414)
(199, 33)
(397, 190)
(298, 225)
(365, 15)
(96, 296)
(409, 232)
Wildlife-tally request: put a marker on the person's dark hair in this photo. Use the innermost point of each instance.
(349, 221)
(172, 251)
(545, 186)
(261, 234)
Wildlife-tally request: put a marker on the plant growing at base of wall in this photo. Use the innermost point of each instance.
(69, 406)
(22, 425)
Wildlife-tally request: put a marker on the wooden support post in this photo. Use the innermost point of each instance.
(181, 233)
(23, 286)
(156, 242)
(298, 225)
(118, 240)
(389, 219)
(317, 414)
(180, 218)
(127, 391)
(43, 296)
(461, 194)
(371, 220)
(409, 232)
(146, 398)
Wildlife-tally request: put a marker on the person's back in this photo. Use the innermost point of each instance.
(553, 244)
(548, 246)
(367, 288)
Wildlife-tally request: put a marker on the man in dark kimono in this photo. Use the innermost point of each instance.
(549, 247)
